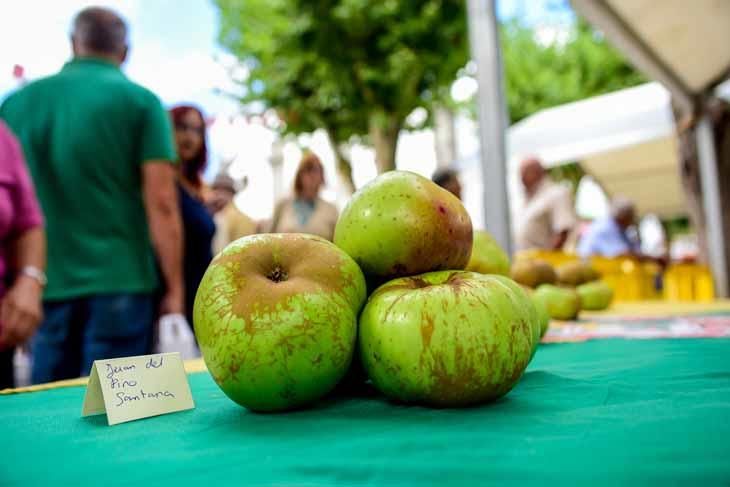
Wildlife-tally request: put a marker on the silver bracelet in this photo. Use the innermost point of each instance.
(35, 273)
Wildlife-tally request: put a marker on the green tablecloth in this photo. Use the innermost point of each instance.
(609, 412)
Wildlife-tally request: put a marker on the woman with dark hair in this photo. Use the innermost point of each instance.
(306, 212)
(198, 224)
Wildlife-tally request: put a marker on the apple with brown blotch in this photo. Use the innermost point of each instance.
(276, 319)
(447, 338)
(401, 224)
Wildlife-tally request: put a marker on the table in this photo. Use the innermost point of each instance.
(604, 412)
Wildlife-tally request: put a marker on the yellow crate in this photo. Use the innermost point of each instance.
(652, 271)
(626, 276)
(633, 280)
(688, 282)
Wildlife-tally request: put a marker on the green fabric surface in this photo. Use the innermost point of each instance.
(605, 412)
(85, 132)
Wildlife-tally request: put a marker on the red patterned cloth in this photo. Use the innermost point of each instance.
(641, 328)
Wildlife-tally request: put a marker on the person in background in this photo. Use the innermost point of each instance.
(231, 223)
(198, 224)
(608, 236)
(548, 215)
(449, 180)
(100, 152)
(306, 212)
(22, 254)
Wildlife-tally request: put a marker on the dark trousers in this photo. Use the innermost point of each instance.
(6, 368)
(78, 331)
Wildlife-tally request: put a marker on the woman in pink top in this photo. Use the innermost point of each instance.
(22, 254)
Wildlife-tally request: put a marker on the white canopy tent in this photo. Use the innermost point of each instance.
(684, 46)
(624, 140)
(681, 44)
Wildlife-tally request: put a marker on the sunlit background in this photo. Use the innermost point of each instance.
(174, 52)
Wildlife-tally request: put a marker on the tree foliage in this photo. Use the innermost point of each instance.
(358, 68)
(351, 67)
(580, 65)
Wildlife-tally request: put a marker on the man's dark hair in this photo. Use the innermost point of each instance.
(443, 176)
(100, 30)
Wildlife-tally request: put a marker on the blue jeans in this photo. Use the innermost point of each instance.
(78, 331)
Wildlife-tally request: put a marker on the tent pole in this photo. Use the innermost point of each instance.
(485, 50)
(712, 204)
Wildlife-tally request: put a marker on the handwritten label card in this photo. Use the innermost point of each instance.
(132, 388)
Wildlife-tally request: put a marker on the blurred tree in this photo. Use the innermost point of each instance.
(356, 68)
(550, 66)
(571, 173)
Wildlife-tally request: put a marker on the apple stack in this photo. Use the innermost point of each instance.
(279, 318)
(563, 292)
(594, 294)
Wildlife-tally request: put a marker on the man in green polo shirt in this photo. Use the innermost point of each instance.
(99, 148)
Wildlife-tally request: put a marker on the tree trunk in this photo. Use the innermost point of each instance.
(444, 136)
(690, 170)
(343, 164)
(384, 132)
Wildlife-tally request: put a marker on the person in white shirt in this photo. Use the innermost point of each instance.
(548, 216)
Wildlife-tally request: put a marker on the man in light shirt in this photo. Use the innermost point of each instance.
(548, 215)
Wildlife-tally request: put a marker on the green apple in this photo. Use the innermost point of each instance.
(447, 338)
(401, 224)
(561, 303)
(528, 306)
(532, 273)
(543, 315)
(596, 295)
(487, 257)
(276, 319)
(575, 273)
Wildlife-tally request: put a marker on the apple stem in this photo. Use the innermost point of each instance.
(277, 275)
